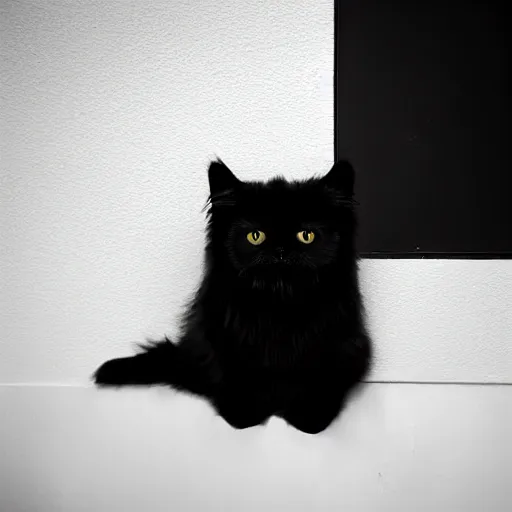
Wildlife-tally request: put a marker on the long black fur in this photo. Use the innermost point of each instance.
(274, 329)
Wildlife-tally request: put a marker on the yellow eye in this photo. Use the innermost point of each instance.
(256, 237)
(306, 237)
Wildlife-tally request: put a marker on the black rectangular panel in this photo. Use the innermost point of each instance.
(422, 107)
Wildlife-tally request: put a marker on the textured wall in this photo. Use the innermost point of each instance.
(440, 321)
(110, 112)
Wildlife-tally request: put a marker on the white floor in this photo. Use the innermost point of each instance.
(398, 447)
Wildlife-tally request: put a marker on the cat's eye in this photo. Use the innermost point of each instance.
(306, 237)
(256, 237)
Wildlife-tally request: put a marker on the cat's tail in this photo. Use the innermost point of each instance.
(160, 362)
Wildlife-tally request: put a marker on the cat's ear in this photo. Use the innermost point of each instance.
(340, 179)
(222, 181)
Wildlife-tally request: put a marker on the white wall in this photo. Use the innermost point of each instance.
(110, 112)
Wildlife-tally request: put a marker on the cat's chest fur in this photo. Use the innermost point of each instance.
(272, 331)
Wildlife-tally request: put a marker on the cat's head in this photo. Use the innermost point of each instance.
(280, 231)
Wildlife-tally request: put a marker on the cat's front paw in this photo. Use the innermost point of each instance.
(313, 415)
(242, 414)
(308, 423)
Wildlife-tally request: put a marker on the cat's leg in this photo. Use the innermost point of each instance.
(242, 411)
(244, 401)
(161, 363)
(318, 396)
(312, 411)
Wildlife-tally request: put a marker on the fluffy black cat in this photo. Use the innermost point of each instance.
(276, 326)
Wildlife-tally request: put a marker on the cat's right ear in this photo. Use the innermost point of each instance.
(223, 182)
(340, 179)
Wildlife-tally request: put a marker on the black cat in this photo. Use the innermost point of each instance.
(276, 326)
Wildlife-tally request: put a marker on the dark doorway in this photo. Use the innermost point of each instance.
(422, 111)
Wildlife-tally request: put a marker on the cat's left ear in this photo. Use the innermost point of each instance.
(222, 181)
(340, 179)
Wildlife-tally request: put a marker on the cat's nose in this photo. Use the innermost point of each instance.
(280, 252)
